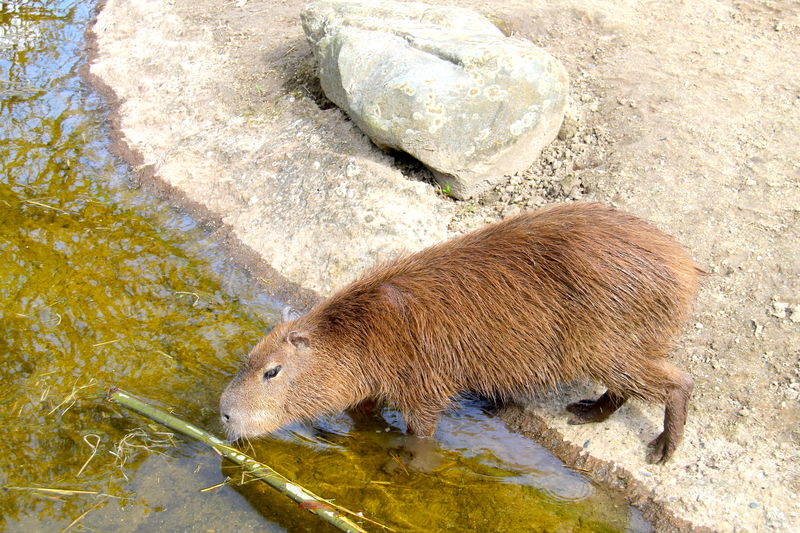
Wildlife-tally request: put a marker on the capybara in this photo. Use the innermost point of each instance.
(577, 290)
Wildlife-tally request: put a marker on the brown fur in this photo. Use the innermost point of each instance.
(572, 291)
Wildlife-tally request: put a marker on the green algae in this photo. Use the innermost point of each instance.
(101, 285)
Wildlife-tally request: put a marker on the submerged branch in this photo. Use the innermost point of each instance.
(326, 510)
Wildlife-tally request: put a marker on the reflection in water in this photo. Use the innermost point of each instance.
(489, 479)
(101, 285)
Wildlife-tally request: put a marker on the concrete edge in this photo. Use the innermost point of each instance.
(605, 473)
(145, 177)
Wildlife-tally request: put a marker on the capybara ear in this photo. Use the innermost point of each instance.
(298, 339)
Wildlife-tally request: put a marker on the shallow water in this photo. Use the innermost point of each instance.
(102, 285)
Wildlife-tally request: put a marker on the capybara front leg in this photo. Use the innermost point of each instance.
(586, 411)
(420, 448)
(663, 446)
(365, 408)
(421, 423)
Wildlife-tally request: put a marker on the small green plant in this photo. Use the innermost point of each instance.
(446, 190)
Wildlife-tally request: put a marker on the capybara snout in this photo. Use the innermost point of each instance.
(572, 291)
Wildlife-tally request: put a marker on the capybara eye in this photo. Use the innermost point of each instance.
(272, 372)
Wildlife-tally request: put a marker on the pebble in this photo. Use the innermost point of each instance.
(352, 169)
(778, 308)
(569, 128)
(753, 505)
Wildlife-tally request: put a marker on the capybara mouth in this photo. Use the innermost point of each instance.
(233, 434)
(236, 428)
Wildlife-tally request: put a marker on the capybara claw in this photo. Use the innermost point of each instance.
(661, 449)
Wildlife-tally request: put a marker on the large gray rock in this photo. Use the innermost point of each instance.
(440, 83)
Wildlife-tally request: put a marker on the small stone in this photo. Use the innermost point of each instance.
(569, 128)
(778, 309)
(753, 505)
(794, 313)
(586, 444)
(352, 169)
(569, 182)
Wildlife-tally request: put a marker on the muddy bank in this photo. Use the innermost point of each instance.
(686, 115)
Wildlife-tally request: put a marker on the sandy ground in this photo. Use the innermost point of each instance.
(684, 113)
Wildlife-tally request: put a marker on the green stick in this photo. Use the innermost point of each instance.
(307, 499)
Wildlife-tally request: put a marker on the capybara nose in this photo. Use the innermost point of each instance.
(226, 418)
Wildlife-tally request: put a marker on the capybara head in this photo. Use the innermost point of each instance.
(284, 379)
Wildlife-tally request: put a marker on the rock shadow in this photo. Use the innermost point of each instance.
(294, 62)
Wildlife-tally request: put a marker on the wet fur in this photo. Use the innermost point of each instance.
(547, 297)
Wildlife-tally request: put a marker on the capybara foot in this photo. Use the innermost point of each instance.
(424, 454)
(416, 455)
(584, 411)
(587, 411)
(661, 449)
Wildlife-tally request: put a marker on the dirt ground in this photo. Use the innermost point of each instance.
(684, 113)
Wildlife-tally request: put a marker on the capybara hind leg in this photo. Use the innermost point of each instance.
(677, 402)
(586, 411)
